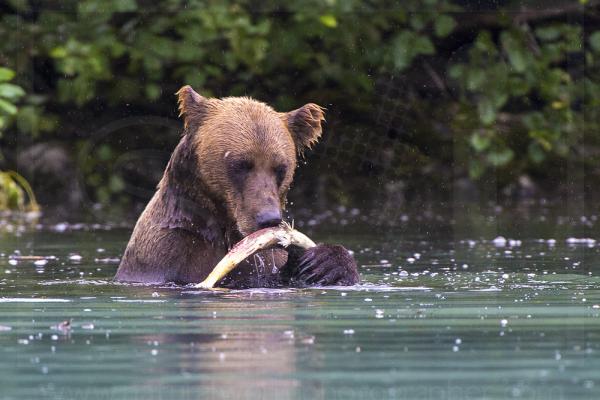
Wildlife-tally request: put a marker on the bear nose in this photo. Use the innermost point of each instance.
(266, 219)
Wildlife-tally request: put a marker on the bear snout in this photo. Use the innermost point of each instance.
(268, 218)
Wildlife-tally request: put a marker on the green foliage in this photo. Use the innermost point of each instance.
(508, 89)
(530, 104)
(104, 184)
(9, 95)
(15, 193)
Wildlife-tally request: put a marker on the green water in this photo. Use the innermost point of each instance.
(442, 313)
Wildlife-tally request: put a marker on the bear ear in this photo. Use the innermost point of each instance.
(192, 106)
(305, 125)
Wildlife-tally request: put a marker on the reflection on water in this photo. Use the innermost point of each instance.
(491, 308)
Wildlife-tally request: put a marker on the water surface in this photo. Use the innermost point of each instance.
(444, 312)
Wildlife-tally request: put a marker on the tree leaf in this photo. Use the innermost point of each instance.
(456, 71)
(6, 74)
(444, 25)
(417, 22)
(125, 5)
(479, 142)
(547, 33)
(7, 107)
(153, 91)
(328, 20)
(10, 91)
(536, 154)
(28, 120)
(476, 168)
(501, 157)
(487, 111)
(423, 45)
(475, 78)
(498, 99)
(116, 184)
(104, 152)
(407, 46)
(515, 51)
(58, 52)
(401, 50)
(543, 138)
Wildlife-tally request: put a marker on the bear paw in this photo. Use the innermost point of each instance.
(326, 265)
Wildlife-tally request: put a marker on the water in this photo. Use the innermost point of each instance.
(444, 312)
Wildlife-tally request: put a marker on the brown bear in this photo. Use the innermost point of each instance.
(228, 177)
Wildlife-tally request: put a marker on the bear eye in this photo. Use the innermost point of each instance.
(243, 166)
(238, 171)
(280, 172)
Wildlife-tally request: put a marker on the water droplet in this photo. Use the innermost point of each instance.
(499, 241)
(288, 334)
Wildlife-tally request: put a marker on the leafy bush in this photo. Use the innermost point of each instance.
(509, 90)
(9, 95)
(522, 84)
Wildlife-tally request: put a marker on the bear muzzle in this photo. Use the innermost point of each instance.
(268, 218)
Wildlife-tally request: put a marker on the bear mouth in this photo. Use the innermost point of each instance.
(244, 227)
(242, 233)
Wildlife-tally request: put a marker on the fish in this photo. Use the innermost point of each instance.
(283, 235)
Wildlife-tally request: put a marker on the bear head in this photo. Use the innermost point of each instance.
(246, 153)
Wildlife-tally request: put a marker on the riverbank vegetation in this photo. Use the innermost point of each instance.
(424, 98)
